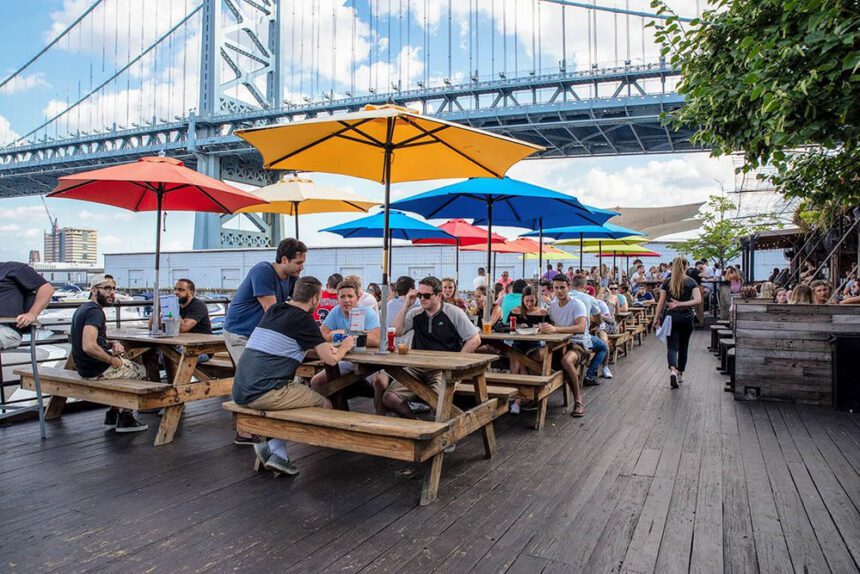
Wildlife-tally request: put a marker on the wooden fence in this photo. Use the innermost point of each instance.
(784, 352)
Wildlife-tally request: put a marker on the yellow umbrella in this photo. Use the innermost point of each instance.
(618, 249)
(631, 240)
(387, 144)
(558, 255)
(293, 195)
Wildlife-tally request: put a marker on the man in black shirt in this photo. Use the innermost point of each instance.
(94, 358)
(437, 326)
(23, 295)
(193, 313)
(275, 349)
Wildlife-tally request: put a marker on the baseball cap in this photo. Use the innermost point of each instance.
(99, 279)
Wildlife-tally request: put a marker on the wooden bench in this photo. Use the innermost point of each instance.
(503, 393)
(389, 437)
(536, 388)
(617, 341)
(123, 393)
(636, 331)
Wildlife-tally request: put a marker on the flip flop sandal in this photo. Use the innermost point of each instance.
(578, 410)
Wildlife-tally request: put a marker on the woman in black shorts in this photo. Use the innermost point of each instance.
(680, 295)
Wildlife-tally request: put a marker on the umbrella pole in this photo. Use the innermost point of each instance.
(457, 261)
(296, 210)
(581, 260)
(611, 271)
(600, 260)
(488, 306)
(383, 340)
(156, 301)
(540, 249)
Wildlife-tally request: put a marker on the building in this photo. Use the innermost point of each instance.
(71, 245)
(68, 273)
(221, 270)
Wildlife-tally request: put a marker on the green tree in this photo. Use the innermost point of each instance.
(721, 233)
(777, 80)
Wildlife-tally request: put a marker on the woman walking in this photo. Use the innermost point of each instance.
(680, 295)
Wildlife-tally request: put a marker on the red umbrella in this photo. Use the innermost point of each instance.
(154, 184)
(464, 234)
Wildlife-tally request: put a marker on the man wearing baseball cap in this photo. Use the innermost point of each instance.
(95, 358)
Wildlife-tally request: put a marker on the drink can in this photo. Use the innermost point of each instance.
(513, 319)
(337, 338)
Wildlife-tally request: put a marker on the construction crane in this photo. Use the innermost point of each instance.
(55, 233)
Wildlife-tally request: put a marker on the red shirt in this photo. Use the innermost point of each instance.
(328, 301)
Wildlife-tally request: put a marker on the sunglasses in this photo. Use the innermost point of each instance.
(611, 288)
(426, 296)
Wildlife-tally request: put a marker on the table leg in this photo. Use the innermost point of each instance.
(540, 415)
(55, 407)
(488, 432)
(432, 476)
(169, 424)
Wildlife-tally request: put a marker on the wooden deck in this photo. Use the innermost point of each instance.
(651, 480)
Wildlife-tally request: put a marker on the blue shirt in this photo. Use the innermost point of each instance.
(336, 321)
(245, 312)
(509, 303)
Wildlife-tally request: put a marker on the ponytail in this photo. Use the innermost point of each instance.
(678, 278)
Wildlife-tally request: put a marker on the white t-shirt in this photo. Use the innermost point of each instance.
(567, 315)
(479, 281)
(604, 310)
(368, 300)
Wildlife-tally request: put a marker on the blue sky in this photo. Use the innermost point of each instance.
(76, 64)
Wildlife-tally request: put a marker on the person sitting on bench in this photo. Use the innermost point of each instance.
(275, 349)
(437, 326)
(95, 359)
(23, 295)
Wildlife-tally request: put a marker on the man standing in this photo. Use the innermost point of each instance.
(480, 280)
(550, 272)
(338, 321)
(505, 279)
(23, 295)
(437, 326)
(273, 352)
(568, 316)
(586, 340)
(266, 284)
(95, 359)
(193, 313)
(328, 299)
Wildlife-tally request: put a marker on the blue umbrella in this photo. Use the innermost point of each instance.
(605, 231)
(400, 226)
(517, 203)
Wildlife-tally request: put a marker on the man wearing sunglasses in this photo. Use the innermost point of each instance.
(436, 326)
(94, 358)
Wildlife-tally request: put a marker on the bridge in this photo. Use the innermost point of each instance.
(258, 62)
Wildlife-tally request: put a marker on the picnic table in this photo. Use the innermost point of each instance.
(391, 437)
(543, 381)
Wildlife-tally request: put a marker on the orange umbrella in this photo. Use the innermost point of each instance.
(464, 234)
(154, 184)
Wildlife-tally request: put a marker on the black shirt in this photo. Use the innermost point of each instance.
(693, 273)
(18, 283)
(88, 314)
(686, 295)
(274, 351)
(197, 310)
(447, 330)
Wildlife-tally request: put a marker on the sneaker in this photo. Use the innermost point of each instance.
(125, 422)
(680, 378)
(450, 449)
(590, 382)
(673, 381)
(514, 408)
(418, 407)
(263, 452)
(249, 440)
(606, 374)
(110, 419)
(280, 465)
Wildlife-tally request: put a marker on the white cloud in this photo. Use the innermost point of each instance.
(9, 228)
(23, 82)
(7, 134)
(33, 232)
(86, 215)
(22, 212)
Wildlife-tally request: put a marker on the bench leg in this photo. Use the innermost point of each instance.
(432, 475)
(540, 415)
(488, 433)
(55, 407)
(169, 424)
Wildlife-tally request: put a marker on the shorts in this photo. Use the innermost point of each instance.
(433, 378)
(290, 396)
(235, 345)
(362, 388)
(9, 337)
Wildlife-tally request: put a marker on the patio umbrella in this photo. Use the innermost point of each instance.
(294, 194)
(464, 234)
(154, 184)
(387, 144)
(506, 247)
(400, 226)
(577, 234)
(509, 200)
(615, 248)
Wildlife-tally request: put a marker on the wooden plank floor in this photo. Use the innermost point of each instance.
(651, 480)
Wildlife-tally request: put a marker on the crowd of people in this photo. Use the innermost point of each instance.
(277, 316)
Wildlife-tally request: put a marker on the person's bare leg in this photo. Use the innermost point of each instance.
(568, 365)
(380, 385)
(318, 380)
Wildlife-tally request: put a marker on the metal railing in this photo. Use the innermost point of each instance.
(116, 321)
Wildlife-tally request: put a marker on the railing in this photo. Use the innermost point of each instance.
(116, 321)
